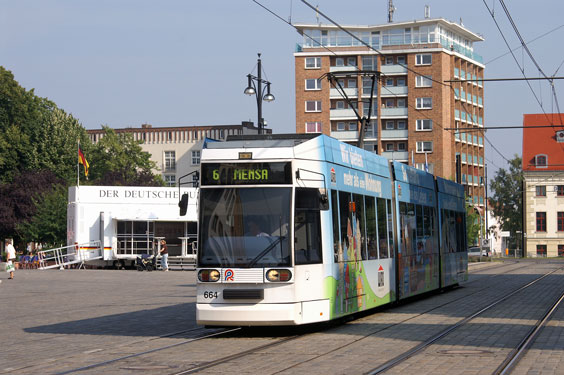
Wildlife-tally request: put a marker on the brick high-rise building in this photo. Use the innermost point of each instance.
(413, 106)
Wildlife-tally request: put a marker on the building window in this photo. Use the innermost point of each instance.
(401, 146)
(195, 157)
(401, 60)
(339, 104)
(401, 103)
(424, 147)
(541, 161)
(170, 160)
(423, 59)
(340, 126)
(313, 84)
(560, 191)
(313, 127)
(423, 81)
(313, 62)
(421, 166)
(424, 125)
(401, 124)
(170, 136)
(560, 217)
(389, 125)
(313, 106)
(389, 60)
(400, 82)
(541, 221)
(561, 250)
(541, 250)
(540, 191)
(389, 147)
(170, 179)
(351, 61)
(390, 103)
(353, 126)
(351, 83)
(389, 81)
(424, 103)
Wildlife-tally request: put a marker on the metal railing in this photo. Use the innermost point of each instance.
(67, 255)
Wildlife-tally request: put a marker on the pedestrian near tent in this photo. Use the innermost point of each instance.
(11, 258)
(164, 253)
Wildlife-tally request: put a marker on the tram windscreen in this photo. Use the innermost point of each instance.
(244, 227)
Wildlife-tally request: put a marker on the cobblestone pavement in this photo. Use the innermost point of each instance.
(73, 318)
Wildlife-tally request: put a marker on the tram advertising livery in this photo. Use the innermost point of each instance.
(297, 230)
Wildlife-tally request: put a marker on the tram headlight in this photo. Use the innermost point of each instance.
(278, 275)
(208, 275)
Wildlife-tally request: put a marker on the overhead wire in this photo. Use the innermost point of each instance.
(515, 58)
(526, 49)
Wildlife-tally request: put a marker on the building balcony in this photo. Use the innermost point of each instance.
(393, 69)
(334, 69)
(336, 114)
(336, 94)
(396, 155)
(394, 134)
(393, 112)
(345, 135)
(393, 91)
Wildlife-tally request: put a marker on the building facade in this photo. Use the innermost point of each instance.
(176, 150)
(415, 109)
(543, 184)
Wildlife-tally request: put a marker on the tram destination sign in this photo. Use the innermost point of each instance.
(246, 173)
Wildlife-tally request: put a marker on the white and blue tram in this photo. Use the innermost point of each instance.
(296, 230)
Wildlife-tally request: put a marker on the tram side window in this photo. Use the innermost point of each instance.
(382, 228)
(307, 237)
(371, 233)
(460, 229)
(390, 228)
(419, 219)
(408, 228)
(359, 225)
(344, 200)
(335, 217)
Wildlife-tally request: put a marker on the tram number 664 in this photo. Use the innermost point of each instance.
(210, 295)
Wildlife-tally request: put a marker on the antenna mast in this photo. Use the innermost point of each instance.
(390, 11)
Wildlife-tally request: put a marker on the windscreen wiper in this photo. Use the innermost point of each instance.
(265, 251)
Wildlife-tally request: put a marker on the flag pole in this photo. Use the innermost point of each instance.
(78, 165)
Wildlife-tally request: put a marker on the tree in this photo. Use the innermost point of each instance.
(49, 223)
(17, 199)
(472, 226)
(120, 160)
(35, 134)
(507, 199)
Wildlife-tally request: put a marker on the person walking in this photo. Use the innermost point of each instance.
(11, 258)
(164, 253)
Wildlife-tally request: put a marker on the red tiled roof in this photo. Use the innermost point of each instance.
(543, 141)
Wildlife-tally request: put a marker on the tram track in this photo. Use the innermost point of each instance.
(238, 356)
(199, 336)
(514, 356)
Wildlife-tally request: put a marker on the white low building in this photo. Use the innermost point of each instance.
(129, 220)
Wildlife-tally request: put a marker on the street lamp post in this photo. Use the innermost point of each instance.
(255, 87)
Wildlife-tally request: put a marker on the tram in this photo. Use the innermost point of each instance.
(298, 229)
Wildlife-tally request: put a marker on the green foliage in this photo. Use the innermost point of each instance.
(472, 226)
(38, 161)
(507, 199)
(49, 223)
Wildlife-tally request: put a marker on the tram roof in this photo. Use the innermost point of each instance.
(309, 146)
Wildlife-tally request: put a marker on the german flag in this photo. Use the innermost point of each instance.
(82, 160)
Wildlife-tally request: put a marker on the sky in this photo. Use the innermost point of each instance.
(124, 63)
